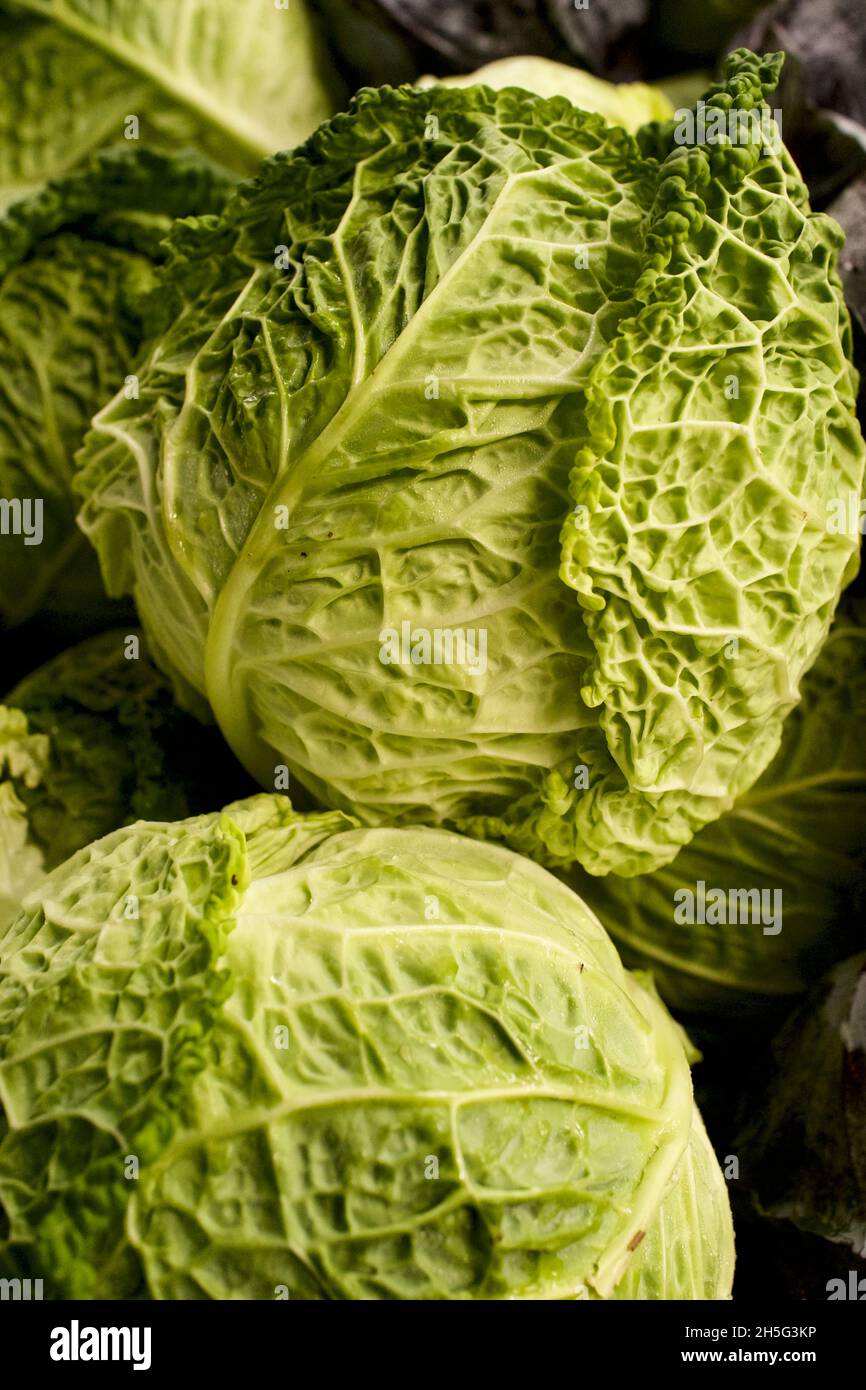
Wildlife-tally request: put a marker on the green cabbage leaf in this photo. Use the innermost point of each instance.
(629, 104)
(798, 832)
(89, 742)
(233, 81)
(76, 260)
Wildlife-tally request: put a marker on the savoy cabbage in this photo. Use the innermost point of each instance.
(474, 361)
(346, 1063)
(76, 260)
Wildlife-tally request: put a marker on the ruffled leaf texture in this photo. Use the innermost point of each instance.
(463, 362)
(90, 742)
(76, 260)
(333, 1091)
(797, 832)
(711, 565)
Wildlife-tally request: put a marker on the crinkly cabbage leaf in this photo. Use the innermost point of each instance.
(75, 260)
(349, 1063)
(90, 742)
(706, 543)
(118, 1011)
(474, 364)
(797, 833)
(234, 82)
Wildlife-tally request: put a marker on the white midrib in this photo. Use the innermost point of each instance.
(220, 658)
(256, 140)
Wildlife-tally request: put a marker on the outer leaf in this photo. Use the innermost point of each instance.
(23, 761)
(72, 259)
(709, 590)
(797, 832)
(232, 81)
(688, 1252)
(99, 1042)
(629, 104)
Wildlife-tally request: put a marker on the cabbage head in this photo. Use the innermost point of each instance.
(473, 365)
(297, 1058)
